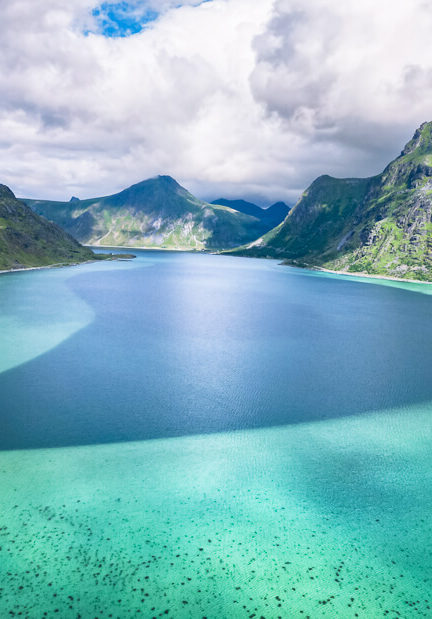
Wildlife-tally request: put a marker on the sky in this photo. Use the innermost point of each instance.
(233, 98)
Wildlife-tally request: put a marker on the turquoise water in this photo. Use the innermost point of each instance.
(212, 436)
(26, 310)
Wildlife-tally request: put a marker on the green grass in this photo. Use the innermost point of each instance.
(27, 240)
(385, 220)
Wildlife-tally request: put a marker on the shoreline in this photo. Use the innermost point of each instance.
(166, 249)
(46, 266)
(369, 276)
(192, 251)
(57, 265)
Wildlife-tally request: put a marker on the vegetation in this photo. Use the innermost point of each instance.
(28, 240)
(379, 225)
(154, 213)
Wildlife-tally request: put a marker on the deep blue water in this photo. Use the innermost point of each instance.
(183, 344)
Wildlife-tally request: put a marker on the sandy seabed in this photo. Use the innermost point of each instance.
(326, 519)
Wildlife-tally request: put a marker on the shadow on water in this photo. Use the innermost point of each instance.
(187, 347)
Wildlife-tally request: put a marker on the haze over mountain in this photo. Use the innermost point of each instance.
(271, 216)
(28, 240)
(157, 212)
(379, 225)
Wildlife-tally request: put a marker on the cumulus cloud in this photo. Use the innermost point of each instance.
(231, 97)
(353, 78)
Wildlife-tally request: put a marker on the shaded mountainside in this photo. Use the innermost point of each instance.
(380, 225)
(271, 216)
(154, 213)
(276, 213)
(28, 240)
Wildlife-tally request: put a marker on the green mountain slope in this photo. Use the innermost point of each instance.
(154, 213)
(27, 240)
(379, 225)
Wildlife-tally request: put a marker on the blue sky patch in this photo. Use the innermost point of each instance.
(122, 19)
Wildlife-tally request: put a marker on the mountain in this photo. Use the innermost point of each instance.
(379, 225)
(242, 206)
(154, 213)
(271, 216)
(276, 213)
(28, 240)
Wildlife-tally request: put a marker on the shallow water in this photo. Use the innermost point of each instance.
(267, 443)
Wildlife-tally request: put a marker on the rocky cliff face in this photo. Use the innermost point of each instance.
(27, 240)
(380, 225)
(154, 213)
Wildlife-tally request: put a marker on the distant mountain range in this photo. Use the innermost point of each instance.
(380, 225)
(271, 216)
(28, 240)
(158, 213)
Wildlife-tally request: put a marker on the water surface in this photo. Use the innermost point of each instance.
(178, 344)
(211, 436)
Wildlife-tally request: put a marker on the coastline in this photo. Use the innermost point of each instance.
(307, 268)
(57, 265)
(201, 251)
(370, 276)
(166, 249)
(47, 266)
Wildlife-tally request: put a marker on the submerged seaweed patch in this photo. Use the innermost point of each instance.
(244, 525)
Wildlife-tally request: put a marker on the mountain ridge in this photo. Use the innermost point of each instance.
(156, 212)
(379, 225)
(27, 240)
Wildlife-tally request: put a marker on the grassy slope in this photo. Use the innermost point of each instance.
(27, 240)
(155, 213)
(380, 225)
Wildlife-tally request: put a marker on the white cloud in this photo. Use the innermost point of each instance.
(355, 78)
(230, 97)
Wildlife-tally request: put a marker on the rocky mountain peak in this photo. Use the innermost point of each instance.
(167, 180)
(5, 192)
(421, 140)
(413, 167)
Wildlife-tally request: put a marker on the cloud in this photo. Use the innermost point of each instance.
(231, 97)
(356, 77)
(91, 114)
